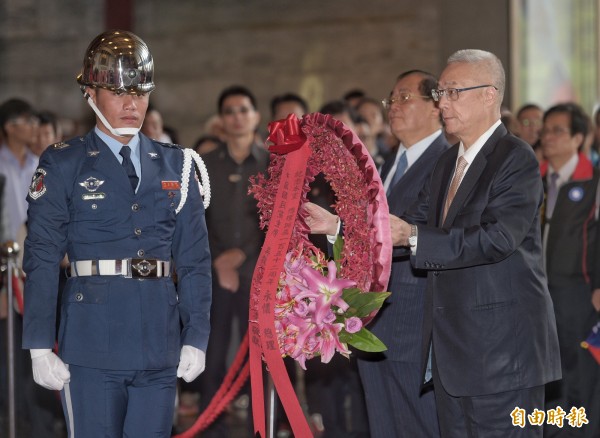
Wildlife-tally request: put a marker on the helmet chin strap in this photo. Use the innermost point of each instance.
(120, 132)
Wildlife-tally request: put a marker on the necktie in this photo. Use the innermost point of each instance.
(128, 166)
(552, 194)
(400, 169)
(458, 174)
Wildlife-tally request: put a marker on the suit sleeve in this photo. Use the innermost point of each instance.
(192, 259)
(489, 230)
(45, 246)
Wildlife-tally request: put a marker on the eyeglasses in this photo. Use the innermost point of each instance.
(452, 93)
(31, 120)
(555, 130)
(401, 99)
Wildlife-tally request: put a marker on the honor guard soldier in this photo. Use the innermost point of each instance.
(128, 215)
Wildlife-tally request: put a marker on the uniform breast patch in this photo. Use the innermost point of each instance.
(37, 188)
(170, 185)
(91, 184)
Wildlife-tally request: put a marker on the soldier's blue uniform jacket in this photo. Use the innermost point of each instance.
(81, 203)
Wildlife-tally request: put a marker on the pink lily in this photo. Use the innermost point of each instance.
(330, 342)
(326, 291)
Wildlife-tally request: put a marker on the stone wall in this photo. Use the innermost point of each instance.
(317, 48)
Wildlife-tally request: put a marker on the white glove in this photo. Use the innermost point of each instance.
(191, 363)
(48, 370)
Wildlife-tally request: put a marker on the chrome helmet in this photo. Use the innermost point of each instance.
(118, 60)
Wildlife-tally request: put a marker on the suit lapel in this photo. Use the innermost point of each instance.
(472, 176)
(385, 169)
(439, 188)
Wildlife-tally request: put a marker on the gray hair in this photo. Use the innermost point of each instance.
(488, 61)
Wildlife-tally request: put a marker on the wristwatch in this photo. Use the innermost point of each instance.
(412, 237)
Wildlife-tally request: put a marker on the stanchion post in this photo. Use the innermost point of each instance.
(9, 251)
(271, 407)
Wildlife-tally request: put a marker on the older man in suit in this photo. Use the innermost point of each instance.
(396, 403)
(489, 321)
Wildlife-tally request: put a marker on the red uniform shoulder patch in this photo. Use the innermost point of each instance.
(37, 187)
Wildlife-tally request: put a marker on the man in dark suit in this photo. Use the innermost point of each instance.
(489, 321)
(571, 245)
(396, 403)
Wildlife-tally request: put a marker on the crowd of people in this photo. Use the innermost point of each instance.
(409, 136)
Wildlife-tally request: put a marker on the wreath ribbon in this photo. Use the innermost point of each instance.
(286, 135)
(263, 336)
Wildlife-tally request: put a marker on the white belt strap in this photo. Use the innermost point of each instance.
(138, 268)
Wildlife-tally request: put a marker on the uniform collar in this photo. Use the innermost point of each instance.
(115, 146)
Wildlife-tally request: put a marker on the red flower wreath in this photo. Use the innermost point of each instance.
(320, 307)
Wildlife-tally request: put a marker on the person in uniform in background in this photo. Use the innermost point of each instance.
(112, 201)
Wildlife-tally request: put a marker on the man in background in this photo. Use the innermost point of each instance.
(571, 234)
(397, 404)
(235, 237)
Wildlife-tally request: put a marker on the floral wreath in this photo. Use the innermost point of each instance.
(321, 306)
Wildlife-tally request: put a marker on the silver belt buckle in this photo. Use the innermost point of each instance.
(142, 268)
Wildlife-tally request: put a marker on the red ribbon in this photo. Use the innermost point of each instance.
(286, 136)
(263, 336)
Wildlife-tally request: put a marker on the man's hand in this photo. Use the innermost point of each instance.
(400, 231)
(596, 299)
(319, 220)
(226, 265)
(48, 370)
(191, 363)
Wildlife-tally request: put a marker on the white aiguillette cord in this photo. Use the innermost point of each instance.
(189, 155)
(203, 183)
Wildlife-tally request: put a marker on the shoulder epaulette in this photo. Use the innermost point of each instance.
(169, 145)
(60, 145)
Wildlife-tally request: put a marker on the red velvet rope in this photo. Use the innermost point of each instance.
(17, 292)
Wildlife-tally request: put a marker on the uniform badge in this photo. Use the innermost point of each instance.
(93, 153)
(170, 185)
(153, 155)
(91, 184)
(93, 196)
(576, 194)
(60, 145)
(37, 187)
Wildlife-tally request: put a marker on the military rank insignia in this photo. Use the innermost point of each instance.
(60, 145)
(37, 187)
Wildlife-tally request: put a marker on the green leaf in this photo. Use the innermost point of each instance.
(349, 293)
(363, 340)
(338, 247)
(362, 304)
